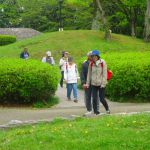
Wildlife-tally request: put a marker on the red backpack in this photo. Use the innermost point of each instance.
(109, 72)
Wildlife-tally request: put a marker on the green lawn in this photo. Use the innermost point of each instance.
(100, 133)
(78, 43)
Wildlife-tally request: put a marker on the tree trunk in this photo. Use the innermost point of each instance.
(104, 21)
(147, 23)
(96, 21)
(132, 28)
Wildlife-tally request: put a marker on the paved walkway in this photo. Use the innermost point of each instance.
(64, 109)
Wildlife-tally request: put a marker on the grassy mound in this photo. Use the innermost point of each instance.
(78, 43)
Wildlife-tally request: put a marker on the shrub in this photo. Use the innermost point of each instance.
(131, 76)
(26, 81)
(7, 39)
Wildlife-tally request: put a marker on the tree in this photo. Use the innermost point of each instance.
(105, 23)
(147, 23)
(132, 9)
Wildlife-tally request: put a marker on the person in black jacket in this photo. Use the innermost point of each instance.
(24, 54)
(83, 77)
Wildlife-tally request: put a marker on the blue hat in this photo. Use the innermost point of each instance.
(96, 52)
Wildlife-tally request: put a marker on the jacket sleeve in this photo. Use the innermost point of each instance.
(104, 75)
(21, 55)
(89, 75)
(65, 74)
(61, 62)
(44, 59)
(82, 75)
(53, 62)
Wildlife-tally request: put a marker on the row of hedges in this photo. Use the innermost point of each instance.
(7, 39)
(131, 76)
(26, 81)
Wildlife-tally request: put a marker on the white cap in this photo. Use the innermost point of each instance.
(89, 53)
(48, 53)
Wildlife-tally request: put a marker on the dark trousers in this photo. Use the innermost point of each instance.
(101, 95)
(62, 78)
(88, 98)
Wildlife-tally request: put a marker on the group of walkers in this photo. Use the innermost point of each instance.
(46, 59)
(93, 78)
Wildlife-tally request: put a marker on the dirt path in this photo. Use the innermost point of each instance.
(64, 109)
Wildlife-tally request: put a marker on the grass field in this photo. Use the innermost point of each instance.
(100, 133)
(78, 43)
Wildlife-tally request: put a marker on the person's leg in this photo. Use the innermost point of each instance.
(88, 99)
(69, 89)
(62, 78)
(102, 98)
(75, 94)
(95, 99)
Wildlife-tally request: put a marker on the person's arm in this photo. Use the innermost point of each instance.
(104, 75)
(21, 55)
(82, 75)
(89, 75)
(53, 62)
(61, 62)
(65, 74)
(44, 59)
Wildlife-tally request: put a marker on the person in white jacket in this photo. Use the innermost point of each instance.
(48, 58)
(62, 64)
(71, 77)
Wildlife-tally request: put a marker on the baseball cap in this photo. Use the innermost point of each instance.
(48, 53)
(96, 52)
(89, 53)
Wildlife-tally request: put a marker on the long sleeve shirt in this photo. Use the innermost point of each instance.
(71, 73)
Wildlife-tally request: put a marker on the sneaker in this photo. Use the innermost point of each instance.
(69, 99)
(97, 113)
(61, 85)
(108, 112)
(88, 113)
(75, 100)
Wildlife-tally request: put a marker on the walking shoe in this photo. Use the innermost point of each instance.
(97, 113)
(88, 113)
(61, 85)
(75, 100)
(108, 112)
(69, 99)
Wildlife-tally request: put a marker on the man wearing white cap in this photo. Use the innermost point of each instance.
(83, 77)
(48, 58)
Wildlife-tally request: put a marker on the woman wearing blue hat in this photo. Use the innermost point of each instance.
(97, 77)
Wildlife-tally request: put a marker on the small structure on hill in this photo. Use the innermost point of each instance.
(20, 33)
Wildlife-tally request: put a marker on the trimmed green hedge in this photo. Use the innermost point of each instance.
(26, 81)
(7, 39)
(131, 76)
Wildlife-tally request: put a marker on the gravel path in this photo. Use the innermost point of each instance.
(64, 109)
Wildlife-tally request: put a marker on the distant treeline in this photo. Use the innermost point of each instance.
(123, 16)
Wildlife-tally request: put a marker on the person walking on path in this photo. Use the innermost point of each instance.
(48, 58)
(97, 77)
(71, 76)
(24, 54)
(87, 91)
(62, 63)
